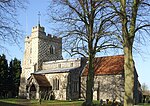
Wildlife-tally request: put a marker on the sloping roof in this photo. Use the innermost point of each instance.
(107, 65)
(59, 70)
(41, 80)
(146, 93)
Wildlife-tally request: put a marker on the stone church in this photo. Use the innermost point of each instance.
(45, 74)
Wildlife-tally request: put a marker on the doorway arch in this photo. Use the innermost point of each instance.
(32, 92)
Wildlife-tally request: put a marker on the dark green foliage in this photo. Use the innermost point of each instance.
(14, 75)
(9, 77)
(3, 75)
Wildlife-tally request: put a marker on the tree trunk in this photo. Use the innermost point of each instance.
(90, 81)
(129, 75)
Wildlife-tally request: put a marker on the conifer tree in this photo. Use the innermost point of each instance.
(3, 75)
(14, 75)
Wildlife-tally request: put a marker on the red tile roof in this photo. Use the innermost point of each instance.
(41, 80)
(107, 65)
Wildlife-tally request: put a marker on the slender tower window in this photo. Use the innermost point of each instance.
(30, 50)
(55, 84)
(51, 49)
(59, 65)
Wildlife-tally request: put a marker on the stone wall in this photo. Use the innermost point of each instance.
(44, 49)
(68, 85)
(105, 87)
(69, 81)
(68, 63)
(74, 83)
(63, 83)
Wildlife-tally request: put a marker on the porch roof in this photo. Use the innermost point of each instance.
(41, 80)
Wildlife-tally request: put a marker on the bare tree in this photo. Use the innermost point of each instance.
(85, 28)
(131, 18)
(144, 87)
(9, 25)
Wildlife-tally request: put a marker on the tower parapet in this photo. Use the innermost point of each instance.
(54, 38)
(27, 38)
(38, 28)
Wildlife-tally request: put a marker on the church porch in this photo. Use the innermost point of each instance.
(38, 87)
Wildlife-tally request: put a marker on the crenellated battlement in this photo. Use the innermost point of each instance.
(54, 38)
(27, 38)
(38, 28)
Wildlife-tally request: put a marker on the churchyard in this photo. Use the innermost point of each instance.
(25, 102)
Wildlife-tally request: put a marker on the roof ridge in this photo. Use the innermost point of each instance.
(111, 56)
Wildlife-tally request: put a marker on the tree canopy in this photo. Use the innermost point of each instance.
(90, 26)
(9, 25)
(9, 77)
(85, 28)
(129, 20)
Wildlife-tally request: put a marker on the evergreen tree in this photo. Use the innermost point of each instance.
(14, 75)
(3, 76)
(9, 77)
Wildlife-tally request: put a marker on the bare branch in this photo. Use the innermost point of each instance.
(140, 27)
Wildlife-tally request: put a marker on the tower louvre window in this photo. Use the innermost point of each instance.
(52, 49)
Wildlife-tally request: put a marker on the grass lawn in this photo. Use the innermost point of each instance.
(25, 102)
(145, 104)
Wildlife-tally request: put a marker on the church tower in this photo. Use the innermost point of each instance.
(39, 48)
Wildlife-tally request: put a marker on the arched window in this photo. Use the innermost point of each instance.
(56, 84)
(52, 49)
(32, 92)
